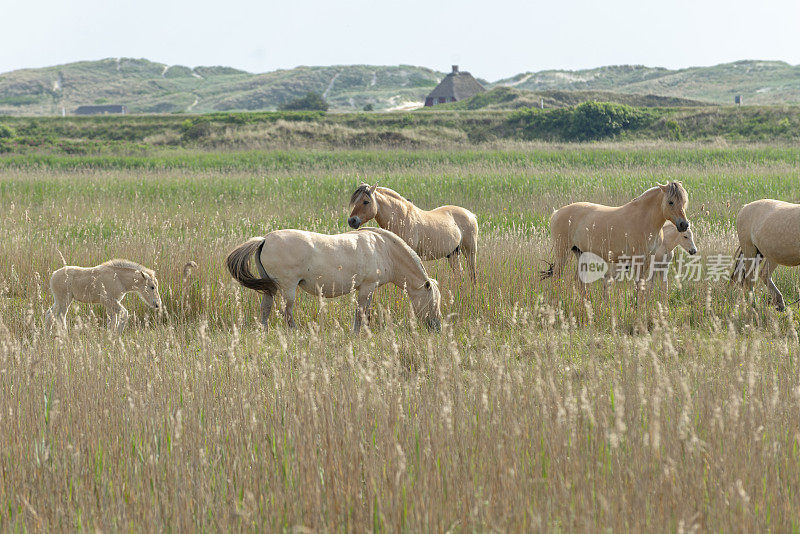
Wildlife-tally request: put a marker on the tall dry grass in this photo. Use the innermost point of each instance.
(532, 410)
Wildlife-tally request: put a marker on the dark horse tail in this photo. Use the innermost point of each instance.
(238, 263)
(547, 273)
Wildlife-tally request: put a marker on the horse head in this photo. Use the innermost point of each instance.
(426, 301)
(362, 205)
(673, 204)
(147, 287)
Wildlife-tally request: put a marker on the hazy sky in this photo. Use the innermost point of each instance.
(492, 39)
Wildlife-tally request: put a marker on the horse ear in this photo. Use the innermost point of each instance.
(663, 187)
(372, 188)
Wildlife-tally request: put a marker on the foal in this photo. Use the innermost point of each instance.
(104, 284)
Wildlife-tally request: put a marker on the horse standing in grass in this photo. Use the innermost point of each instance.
(769, 235)
(444, 232)
(334, 265)
(104, 284)
(616, 232)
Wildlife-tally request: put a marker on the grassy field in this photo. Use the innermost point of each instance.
(531, 410)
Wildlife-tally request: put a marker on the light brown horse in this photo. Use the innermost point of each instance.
(334, 265)
(613, 232)
(104, 284)
(444, 232)
(769, 235)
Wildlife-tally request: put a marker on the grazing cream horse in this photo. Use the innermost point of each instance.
(334, 265)
(613, 233)
(446, 231)
(104, 284)
(769, 235)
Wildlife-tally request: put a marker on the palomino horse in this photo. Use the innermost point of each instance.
(769, 230)
(104, 284)
(615, 232)
(446, 231)
(334, 265)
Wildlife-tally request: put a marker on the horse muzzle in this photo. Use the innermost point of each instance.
(682, 225)
(692, 252)
(354, 222)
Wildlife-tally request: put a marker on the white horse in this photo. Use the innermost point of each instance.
(104, 284)
(334, 265)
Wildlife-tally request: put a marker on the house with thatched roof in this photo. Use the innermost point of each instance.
(455, 86)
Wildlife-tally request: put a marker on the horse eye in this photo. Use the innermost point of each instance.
(671, 203)
(366, 202)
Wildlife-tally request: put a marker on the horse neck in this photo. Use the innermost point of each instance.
(404, 270)
(650, 204)
(394, 214)
(671, 239)
(128, 279)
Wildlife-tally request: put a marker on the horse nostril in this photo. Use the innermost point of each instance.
(353, 222)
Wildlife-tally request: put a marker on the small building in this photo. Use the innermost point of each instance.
(110, 109)
(455, 86)
(738, 100)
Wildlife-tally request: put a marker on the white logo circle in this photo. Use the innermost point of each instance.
(591, 267)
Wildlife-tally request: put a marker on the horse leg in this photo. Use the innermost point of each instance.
(454, 262)
(114, 312)
(123, 317)
(57, 314)
(363, 308)
(581, 284)
(746, 261)
(289, 298)
(469, 246)
(766, 276)
(266, 308)
(560, 261)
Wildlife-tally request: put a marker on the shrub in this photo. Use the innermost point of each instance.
(310, 102)
(585, 122)
(6, 131)
(369, 107)
(194, 129)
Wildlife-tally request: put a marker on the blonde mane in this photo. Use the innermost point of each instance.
(119, 263)
(392, 193)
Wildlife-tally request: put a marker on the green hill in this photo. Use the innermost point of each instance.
(511, 98)
(148, 87)
(760, 82)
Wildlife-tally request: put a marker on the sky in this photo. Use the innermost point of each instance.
(491, 39)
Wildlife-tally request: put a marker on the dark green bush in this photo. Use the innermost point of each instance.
(310, 102)
(196, 128)
(585, 122)
(6, 131)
